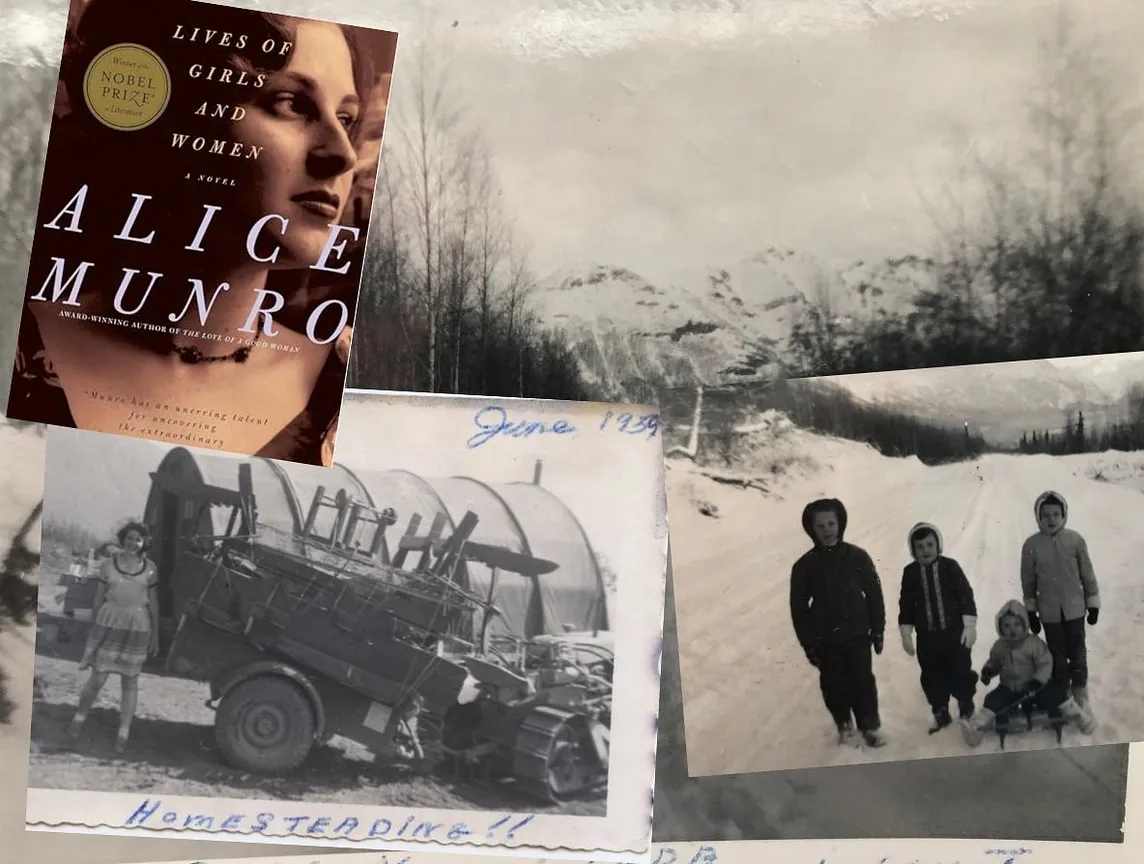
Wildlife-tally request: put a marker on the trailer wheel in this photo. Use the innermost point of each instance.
(265, 725)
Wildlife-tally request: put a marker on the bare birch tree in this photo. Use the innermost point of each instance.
(1061, 258)
(1045, 255)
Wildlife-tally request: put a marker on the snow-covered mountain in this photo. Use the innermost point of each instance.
(1116, 374)
(1002, 400)
(719, 326)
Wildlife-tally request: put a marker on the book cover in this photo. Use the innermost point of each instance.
(201, 226)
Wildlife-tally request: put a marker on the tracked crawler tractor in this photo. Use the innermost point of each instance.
(542, 716)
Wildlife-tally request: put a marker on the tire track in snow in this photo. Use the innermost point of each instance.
(752, 702)
(751, 580)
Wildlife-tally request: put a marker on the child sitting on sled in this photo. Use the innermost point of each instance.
(1024, 665)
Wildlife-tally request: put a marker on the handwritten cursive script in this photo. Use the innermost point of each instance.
(703, 855)
(632, 424)
(494, 420)
(316, 825)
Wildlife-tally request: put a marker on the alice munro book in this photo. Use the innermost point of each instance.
(201, 226)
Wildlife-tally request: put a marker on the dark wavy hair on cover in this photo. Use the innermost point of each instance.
(136, 527)
(84, 151)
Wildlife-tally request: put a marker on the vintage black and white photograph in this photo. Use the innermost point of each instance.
(585, 201)
(659, 195)
(22, 448)
(439, 622)
(1076, 795)
(922, 563)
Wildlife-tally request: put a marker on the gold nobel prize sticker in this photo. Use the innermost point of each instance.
(127, 86)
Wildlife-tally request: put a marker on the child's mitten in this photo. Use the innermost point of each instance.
(1034, 623)
(1093, 614)
(968, 630)
(907, 639)
(986, 674)
(879, 642)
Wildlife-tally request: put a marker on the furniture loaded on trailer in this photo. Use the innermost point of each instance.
(305, 636)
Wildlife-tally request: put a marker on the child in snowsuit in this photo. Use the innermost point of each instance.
(838, 612)
(1059, 588)
(1024, 665)
(937, 602)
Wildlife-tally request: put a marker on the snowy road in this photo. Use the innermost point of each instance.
(752, 703)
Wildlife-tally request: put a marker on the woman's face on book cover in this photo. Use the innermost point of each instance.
(302, 119)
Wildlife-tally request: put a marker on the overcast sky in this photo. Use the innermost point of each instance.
(661, 145)
(663, 135)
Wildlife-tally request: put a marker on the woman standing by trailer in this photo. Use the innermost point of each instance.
(124, 631)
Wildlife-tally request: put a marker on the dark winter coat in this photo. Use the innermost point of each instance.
(1057, 576)
(930, 611)
(835, 593)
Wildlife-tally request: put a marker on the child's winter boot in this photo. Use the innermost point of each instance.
(941, 719)
(1079, 715)
(874, 737)
(847, 736)
(975, 727)
(965, 709)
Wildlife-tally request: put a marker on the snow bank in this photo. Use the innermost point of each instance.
(1113, 466)
(751, 700)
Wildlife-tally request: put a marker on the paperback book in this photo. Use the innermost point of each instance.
(201, 226)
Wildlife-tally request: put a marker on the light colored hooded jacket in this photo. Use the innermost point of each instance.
(1057, 578)
(1019, 663)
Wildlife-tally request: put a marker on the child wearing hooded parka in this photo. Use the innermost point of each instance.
(1024, 665)
(839, 614)
(936, 603)
(1060, 590)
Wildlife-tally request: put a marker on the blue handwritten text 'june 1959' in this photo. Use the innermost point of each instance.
(493, 422)
(631, 424)
(152, 814)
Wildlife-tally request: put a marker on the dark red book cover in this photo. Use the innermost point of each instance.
(201, 226)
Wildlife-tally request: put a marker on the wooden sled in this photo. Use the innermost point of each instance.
(1026, 717)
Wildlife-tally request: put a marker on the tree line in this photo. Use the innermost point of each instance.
(829, 409)
(1049, 263)
(445, 296)
(1126, 434)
